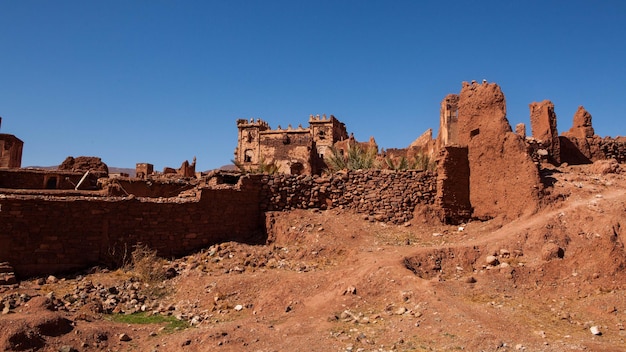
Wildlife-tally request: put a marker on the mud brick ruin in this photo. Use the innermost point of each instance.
(295, 151)
(78, 216)
(10, 150)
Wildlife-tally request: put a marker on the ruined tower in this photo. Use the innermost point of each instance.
(10, 150)
(448, 121)
(248, 151)
(503, 180)
(543, 127)
(326, 131)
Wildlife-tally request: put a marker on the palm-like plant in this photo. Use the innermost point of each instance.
(356, 159)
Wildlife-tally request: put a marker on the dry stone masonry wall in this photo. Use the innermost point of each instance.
(382, 195)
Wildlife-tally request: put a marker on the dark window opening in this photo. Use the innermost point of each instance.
(247, 157)
(51, 183)
(297, 169)
(474, 132)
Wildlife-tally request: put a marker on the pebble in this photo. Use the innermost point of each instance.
(238, 307)
(491, 260)
(125, 337)
(595, 330)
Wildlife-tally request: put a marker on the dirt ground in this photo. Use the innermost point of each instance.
(333, 281)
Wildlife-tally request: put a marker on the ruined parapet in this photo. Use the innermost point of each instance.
(453, 185)
(520, 130)
(448, 121)
(424, 145)
(10, 150)
(143, 170)
(581, 126)
(580, 144)
(85, 163)
(187, 170)
(504, 180)
(544, 130)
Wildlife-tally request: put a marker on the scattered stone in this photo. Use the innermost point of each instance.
(551, 251)
(400, 311)
(491, 260)
(52, 279)
(350, 290)
(124, 337)
(470, 280)
(238, 307)
(595, 330)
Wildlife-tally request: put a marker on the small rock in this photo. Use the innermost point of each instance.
(52, 279)
(125, 337)
(595, 330)
(400, 311)
(238, 307)
(491, 260)
(350, 290)
(551, 251)
(470, 280)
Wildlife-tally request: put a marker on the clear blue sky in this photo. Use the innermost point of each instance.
(164, 81)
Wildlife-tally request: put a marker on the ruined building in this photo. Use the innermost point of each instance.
(293, 150)
(10, 150)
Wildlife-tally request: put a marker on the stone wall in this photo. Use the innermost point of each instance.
(381, 195)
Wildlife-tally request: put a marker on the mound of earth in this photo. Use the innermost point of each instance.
(333, 281)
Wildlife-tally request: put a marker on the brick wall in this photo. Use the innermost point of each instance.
(41, 235)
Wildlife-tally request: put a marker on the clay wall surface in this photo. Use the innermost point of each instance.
(381, 195)
(152, 188)
(10, 151)
(503, 179)
(453, 185)
(448, 121)
(544, 130)
(42, 179)
(42, 235)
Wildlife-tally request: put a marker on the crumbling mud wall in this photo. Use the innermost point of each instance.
(43, 179)
(544, 130)
(41, 235)
(381, 195)
(504, 179)
(453, 185)
(10, 151)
